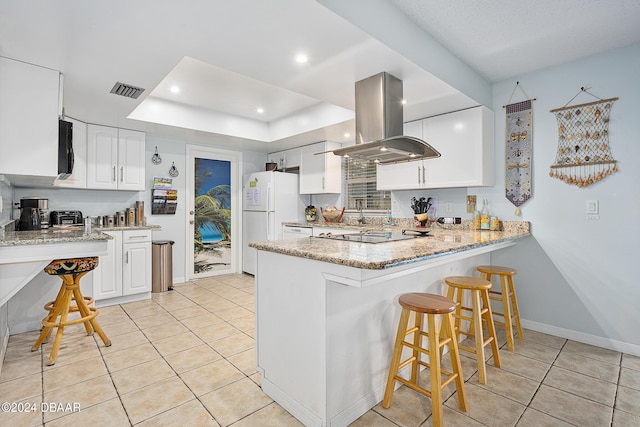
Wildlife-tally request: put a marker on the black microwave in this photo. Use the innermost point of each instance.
(65, 149)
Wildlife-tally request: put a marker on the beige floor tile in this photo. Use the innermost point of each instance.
(119, 328)
(154, 320)
(202, 321)
(542, 338)
(177, 343)
(372, 419)
(588, 366)
(143, 309)
(110, 411)
(256, 378)
(30, 416)
(233, 313)
(630, 378)
(508, 385)
(598, 353)
(408, 407)
(189, 312)
(215, 304)
(524, 366)
(452, 418)
(25, 337)
(245, 323)
(271, 416)
(183, 303)
(245, 361)
(581, 385)
(191, 413)
(233, 344)
(211, 377)
(21, 367)
(21, 388)
(571, 408)
(84, 394)
(124, 341)
(250, 307)
(132, 356)
(487, 407)
(156, 398)
(142, 375)
(235, 401)
(192, 358)
(625, 419)
(245, 300)
(628, 400)
(107, 319)
(533, 418)
(71, 352)
(65, 376)
(168, 329)
(216, 332)
(631, 362)
(536, 351)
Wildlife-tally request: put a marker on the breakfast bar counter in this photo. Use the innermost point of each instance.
(326, 312)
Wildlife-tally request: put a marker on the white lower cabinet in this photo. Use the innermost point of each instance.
(125, 274)
(296, 232)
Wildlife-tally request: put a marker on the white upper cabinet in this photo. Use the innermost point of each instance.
(115, 158)
(465, 140)
(287, 159)
(29, 108)
(78, 179)
(320, 173)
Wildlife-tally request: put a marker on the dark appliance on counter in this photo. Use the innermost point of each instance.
(27, 214)
(67, 218)
(65, 149)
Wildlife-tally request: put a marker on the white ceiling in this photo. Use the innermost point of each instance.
(230, 57)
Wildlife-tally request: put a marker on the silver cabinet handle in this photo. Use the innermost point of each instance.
(137, 237)
(424, 179)
(323, 182)
(114, 173)
(121, 173)
(126, 257)
(418, 174)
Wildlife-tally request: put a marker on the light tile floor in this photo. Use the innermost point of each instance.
(186, 357)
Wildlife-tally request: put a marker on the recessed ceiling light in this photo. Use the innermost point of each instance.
(404, 102)
(302, 58)
(347, 135)
(175, 89)
(260, 110)
(383, 148)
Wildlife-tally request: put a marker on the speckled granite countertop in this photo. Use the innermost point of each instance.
(61, 235)
(376, 256)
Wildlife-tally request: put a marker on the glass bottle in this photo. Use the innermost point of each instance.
(485, 218)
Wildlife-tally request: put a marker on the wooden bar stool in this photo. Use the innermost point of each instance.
(506, 295)
(70, 271)
(480, 311)
(431, 305)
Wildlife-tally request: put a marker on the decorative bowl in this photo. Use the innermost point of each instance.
(332, 214)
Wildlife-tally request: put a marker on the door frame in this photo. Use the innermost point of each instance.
(235, 157)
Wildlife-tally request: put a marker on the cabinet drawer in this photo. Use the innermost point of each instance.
(135, 236)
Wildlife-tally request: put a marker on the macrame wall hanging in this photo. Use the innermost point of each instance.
(518, 150)
(584, 154)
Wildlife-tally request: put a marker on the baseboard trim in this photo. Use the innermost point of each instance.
(582, 337)
(3, 347)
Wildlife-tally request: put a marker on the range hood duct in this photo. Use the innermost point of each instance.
(379, 123)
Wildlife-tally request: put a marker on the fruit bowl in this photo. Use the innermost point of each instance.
(332, 214)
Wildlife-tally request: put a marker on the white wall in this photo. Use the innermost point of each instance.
(576, 277)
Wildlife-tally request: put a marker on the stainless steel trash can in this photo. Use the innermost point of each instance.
(161, 265)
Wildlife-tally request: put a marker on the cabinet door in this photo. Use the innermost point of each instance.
(292, 158)
(28, 119)
(102, 157)
(320, 173)
(136, 268)
(131, 160)
(78, 179)
(277, 158)
(107, 277)
(401, 176)
(463, 141)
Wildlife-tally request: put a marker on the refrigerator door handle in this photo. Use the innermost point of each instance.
(268, 198)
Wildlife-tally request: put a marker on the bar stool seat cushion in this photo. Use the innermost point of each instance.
(61, 267)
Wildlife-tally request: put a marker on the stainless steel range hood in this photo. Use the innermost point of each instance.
(379, 123)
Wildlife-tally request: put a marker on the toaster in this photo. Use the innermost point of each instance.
(65, 218)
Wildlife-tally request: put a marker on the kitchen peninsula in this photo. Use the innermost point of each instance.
(326, 312)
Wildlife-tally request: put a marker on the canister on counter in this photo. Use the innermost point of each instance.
(121, 219)
(139, 212)
(131, 216)
(111, 221)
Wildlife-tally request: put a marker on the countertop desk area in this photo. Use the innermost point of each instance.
(327, 312)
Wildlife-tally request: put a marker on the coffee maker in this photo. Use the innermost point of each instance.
(34, 213)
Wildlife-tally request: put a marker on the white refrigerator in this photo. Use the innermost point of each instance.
(269, 199)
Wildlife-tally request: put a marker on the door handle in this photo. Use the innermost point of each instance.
(424, 179)
(114, 173)
(191, 222)
(121, 173)
(126, 257)
(418, 174)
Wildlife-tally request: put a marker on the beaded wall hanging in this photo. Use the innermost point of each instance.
(518, 150)
(584, 154)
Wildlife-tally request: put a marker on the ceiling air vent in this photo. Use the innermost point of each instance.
(126, 90)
